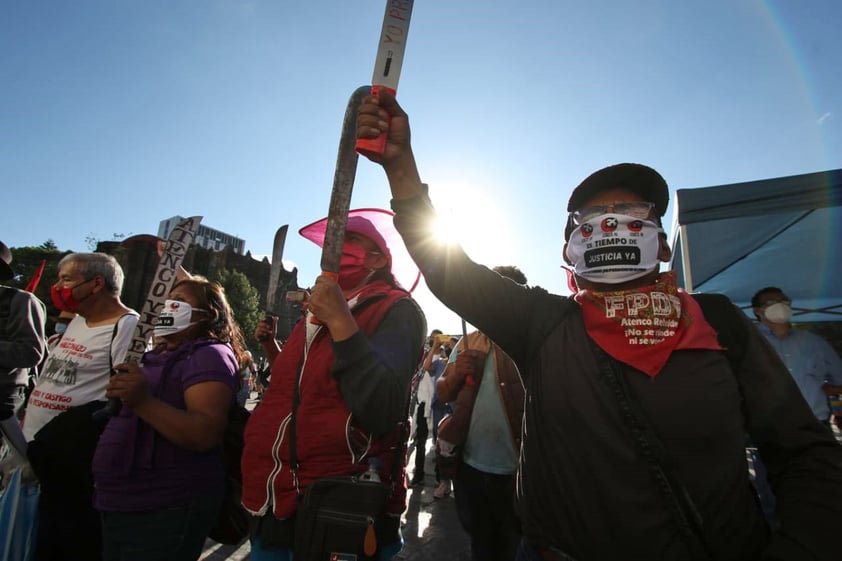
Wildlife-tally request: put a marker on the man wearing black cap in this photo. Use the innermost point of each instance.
(22, 346)
(635, 415)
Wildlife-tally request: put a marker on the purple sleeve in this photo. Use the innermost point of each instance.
(212, 363)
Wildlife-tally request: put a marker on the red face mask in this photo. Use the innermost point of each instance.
(352, 269)
(63, 298)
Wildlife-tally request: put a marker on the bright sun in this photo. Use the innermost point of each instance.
(469, 218)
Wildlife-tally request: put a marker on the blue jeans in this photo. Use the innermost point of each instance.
(439, 411)
(171, 534)
(243, 395)
(385, 553)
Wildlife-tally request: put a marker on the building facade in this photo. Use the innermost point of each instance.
(208, 238)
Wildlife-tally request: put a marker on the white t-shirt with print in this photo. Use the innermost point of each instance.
(77, 369)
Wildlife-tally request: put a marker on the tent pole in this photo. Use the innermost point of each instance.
(685, 259)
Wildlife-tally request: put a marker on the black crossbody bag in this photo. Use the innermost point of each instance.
(341, 517)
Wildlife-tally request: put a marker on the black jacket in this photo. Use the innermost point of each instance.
(583, 487)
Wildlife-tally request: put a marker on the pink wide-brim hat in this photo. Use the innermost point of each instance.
(375, 224)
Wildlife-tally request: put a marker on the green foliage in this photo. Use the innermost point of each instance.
(244, 301)
(25, 264)
(49, 245)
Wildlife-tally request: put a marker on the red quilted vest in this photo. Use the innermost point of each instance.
(325, 432)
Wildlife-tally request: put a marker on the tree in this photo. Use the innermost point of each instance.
(27, 260)
(49, 245)
(244, 301)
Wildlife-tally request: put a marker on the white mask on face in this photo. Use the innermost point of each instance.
(780, 312)
(614, 248)
(175, 318)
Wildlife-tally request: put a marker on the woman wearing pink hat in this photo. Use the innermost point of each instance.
(339, 391)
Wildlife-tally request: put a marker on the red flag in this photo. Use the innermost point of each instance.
(36, 278)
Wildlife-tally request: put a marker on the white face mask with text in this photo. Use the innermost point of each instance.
(175, 318)
(614, 248)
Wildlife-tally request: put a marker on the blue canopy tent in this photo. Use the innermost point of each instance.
(786, 232)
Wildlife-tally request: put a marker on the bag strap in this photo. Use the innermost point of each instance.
(111, 343)
(296, 400)
(730, 328)
(400, 445)
(647, 443)
(293, 455)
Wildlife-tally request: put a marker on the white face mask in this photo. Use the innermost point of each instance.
(175, 318)
(780, 312)
(614, 248)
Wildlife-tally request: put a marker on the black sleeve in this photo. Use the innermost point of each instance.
(803, 459)
(514, 316)
(23, 344)
(374, 373)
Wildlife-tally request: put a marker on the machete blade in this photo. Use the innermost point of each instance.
(276, 268)
(343, 186)
(388, 63)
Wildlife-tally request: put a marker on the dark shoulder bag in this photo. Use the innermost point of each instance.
(339, 516)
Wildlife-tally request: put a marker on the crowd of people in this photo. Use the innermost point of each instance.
(562, 434)
(633, 440)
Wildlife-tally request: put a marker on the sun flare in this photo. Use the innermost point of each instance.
(473, 220)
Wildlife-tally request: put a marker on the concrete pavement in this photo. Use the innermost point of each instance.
(432, 531)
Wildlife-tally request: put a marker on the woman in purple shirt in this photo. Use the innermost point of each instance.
(157, 469)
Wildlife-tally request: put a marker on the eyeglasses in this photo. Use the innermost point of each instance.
(638, 209)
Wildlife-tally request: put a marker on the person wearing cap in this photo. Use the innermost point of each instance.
(344, 373)
(22, 346)
(635, 416)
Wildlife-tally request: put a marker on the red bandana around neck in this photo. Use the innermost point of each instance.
(642, 327)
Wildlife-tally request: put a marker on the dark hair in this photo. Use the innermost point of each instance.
(511, 272)
(755, 300)
(221, 325)
(385, 275)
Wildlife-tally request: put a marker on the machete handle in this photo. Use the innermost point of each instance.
(330, 275)
(374, 146)
(272, 320)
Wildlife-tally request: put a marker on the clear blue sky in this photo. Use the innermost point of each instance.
(117, 114)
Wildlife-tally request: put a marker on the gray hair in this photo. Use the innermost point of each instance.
(91, 265)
